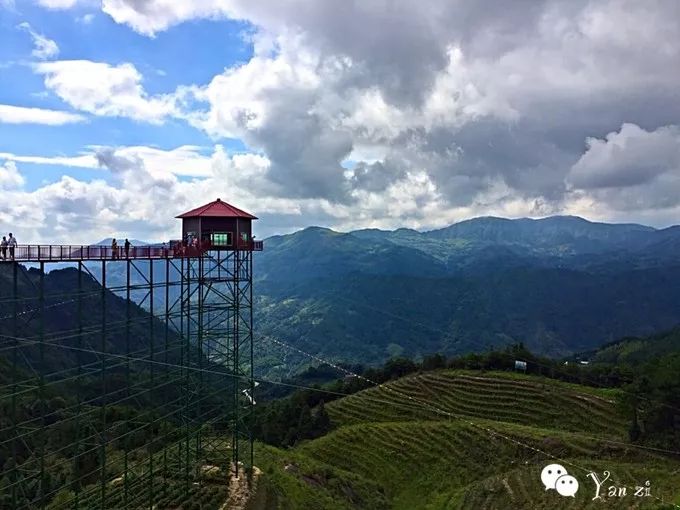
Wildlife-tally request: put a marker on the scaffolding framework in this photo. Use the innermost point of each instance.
(108, 406)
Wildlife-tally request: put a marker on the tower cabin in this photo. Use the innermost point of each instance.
(219, 226)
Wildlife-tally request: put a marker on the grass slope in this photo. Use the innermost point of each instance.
(392, 451)
(507, 397)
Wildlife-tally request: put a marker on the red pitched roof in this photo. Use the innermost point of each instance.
(217, 209)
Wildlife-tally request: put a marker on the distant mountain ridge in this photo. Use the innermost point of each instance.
(121, 240)
(480, 243)
(554, 235)
(561, 285)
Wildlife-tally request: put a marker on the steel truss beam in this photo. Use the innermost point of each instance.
(150, 400)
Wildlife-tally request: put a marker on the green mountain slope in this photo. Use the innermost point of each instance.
(507, 397)
(369, 318)
(560, 285)
(63, 333)
(392, 451)
(633, 350)
(559, 236)
(64, 397)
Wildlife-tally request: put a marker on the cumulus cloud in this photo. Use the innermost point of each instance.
(272, 103)
(10, 178)
(632, 169)
(44, 48)
(10, 114)
(451, 107)
(507, 101)
(104, 89)
(134, 198)
(629, 157)
(148, 18)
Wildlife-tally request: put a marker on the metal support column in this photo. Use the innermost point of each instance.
(41, 390)
(102, 433)
(126, 441)
(14, 476)
(235, 358)
(78, 388)
(152, 381)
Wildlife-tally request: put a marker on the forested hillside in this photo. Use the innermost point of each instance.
(92, 388)
(560, 285)
(451, 439)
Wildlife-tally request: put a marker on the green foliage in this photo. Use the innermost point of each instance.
(424, 439)
(415, 457)
(561, 285)
(648, 369)
(287, 421)
(63, 410)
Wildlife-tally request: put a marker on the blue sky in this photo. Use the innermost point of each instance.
(162, 60)
(115, 115)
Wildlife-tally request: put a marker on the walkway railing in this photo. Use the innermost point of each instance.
(51, 252)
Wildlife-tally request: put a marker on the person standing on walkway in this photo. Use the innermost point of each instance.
(127, 248)
(12, 243)
(114, 249)
(3, 248)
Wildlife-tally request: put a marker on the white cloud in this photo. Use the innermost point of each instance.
(86, 19)
(10, 178)
(87, 210)
(103, 89)
(155, 16)
(186, 161)
(10, 114)
(59, 4)
(83, 161)
(454, 108)
(631, 170)
(476, 105)
(629, 157)
(240, 98)
(44, 48)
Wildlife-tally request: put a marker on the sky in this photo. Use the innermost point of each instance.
(117, 115)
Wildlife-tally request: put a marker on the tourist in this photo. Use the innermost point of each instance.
(3, 247)
(12, 243)
(127, 249)
(114, 249)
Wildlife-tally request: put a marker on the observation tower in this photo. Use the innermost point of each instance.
(108, 405)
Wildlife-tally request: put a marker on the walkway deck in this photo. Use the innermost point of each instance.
(76, 253)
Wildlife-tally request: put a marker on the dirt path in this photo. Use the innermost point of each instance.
(241, 491)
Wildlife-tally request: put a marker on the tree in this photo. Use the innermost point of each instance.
(434, 362)
(322, 422)
(399, 367)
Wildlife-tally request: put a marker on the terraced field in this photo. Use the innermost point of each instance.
(501, 396)
(517, 489)
(453, 464)
(394, 448)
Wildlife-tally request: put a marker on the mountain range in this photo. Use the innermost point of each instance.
(560, 285)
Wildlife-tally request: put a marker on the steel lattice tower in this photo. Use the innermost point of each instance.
(217, 315)
(127, 380)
